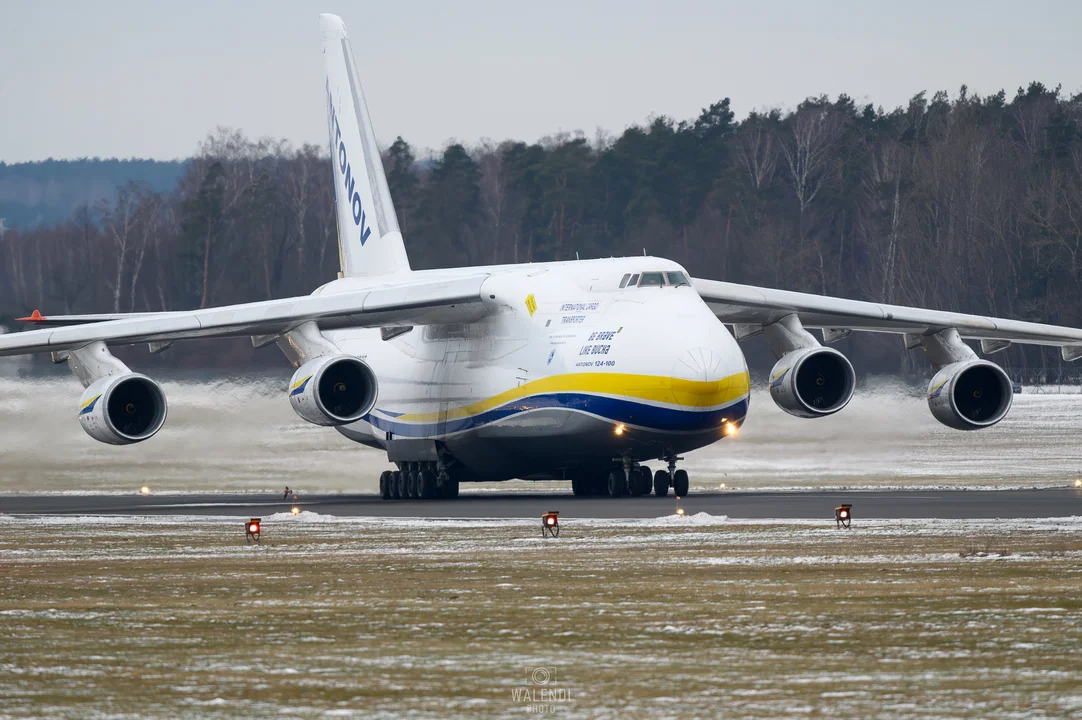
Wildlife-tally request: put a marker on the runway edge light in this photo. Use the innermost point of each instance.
(843, 516)
(550, 523)
(251, 530)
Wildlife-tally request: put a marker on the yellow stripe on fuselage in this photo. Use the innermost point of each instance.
(653, 388)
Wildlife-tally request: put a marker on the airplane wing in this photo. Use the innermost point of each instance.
(39, 320)
(747, 305)
(418, 303)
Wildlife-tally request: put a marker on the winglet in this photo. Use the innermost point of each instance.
(35, 316)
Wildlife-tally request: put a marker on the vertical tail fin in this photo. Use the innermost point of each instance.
(369, 240)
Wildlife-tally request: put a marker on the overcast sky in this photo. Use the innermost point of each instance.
(150, 79)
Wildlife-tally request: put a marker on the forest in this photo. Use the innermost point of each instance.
(962, 203)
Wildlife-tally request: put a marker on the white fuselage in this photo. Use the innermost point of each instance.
(566, 372)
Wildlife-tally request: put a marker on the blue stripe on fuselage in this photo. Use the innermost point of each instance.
(616, 410)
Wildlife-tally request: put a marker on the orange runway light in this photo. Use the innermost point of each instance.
(251, 531)
(550, 523)
(843, 516)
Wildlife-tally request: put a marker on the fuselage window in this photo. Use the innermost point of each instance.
(623, 282)
(677, 279)
(654, 279)
(633, 281)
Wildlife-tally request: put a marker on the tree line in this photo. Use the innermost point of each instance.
(963, 203)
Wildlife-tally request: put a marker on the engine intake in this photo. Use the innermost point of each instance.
(123, 409)
(812, 382)
(970, 395)
(333, 390)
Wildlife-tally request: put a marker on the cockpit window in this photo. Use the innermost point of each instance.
(654, 279)
(677, 278)
(623, 282)
(633, 281)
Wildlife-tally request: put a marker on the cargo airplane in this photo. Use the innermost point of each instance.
(536, 371)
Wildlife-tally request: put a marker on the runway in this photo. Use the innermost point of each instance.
(751, 505)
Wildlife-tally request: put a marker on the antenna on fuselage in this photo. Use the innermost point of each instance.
(576, 254)
(644, 252)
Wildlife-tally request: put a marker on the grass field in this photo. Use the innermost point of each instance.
(692, 617)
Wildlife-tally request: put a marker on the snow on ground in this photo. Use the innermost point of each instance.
(443, 618)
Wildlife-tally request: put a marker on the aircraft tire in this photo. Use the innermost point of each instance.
(661, 483)
(398, 485)
(617, 483)
(645, 480)
(411, 485)
(426, 484)
(386, 480)
(634, 487)
(680, 484)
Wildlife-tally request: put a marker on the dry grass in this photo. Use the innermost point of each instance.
(442, 619)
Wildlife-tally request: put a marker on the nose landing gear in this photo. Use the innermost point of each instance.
(634, 479)
(673, 478)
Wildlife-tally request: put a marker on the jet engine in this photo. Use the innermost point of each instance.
(123, 409)
(970, 395)
(812, 382)
(333, 390)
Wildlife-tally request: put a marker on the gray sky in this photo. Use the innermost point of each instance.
(150, 79)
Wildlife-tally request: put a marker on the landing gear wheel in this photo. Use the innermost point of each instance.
(634, 487)
(398, 485)
(385, 479)
(411, 485)
(426, 484)
(680, 483)
(617, 481)
(661, 483)
(644, 479)
(449, 489)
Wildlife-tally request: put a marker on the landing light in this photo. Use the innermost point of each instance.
(145, 490)
(729, 428)
(550, 523)
(843, 516)
(251, 531)
(619, 430)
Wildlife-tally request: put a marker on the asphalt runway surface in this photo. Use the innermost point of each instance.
(963, 504)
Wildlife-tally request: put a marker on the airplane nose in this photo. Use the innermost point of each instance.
(700, 365)
(704, 377)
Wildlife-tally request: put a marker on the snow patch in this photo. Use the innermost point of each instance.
(701, 518)
(303, 516)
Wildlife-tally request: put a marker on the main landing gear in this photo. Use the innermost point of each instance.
(417, 480)
(635, 480)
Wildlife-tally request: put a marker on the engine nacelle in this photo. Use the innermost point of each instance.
(123, 409)
(812, 382)
(333, 390)
(970, 395)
